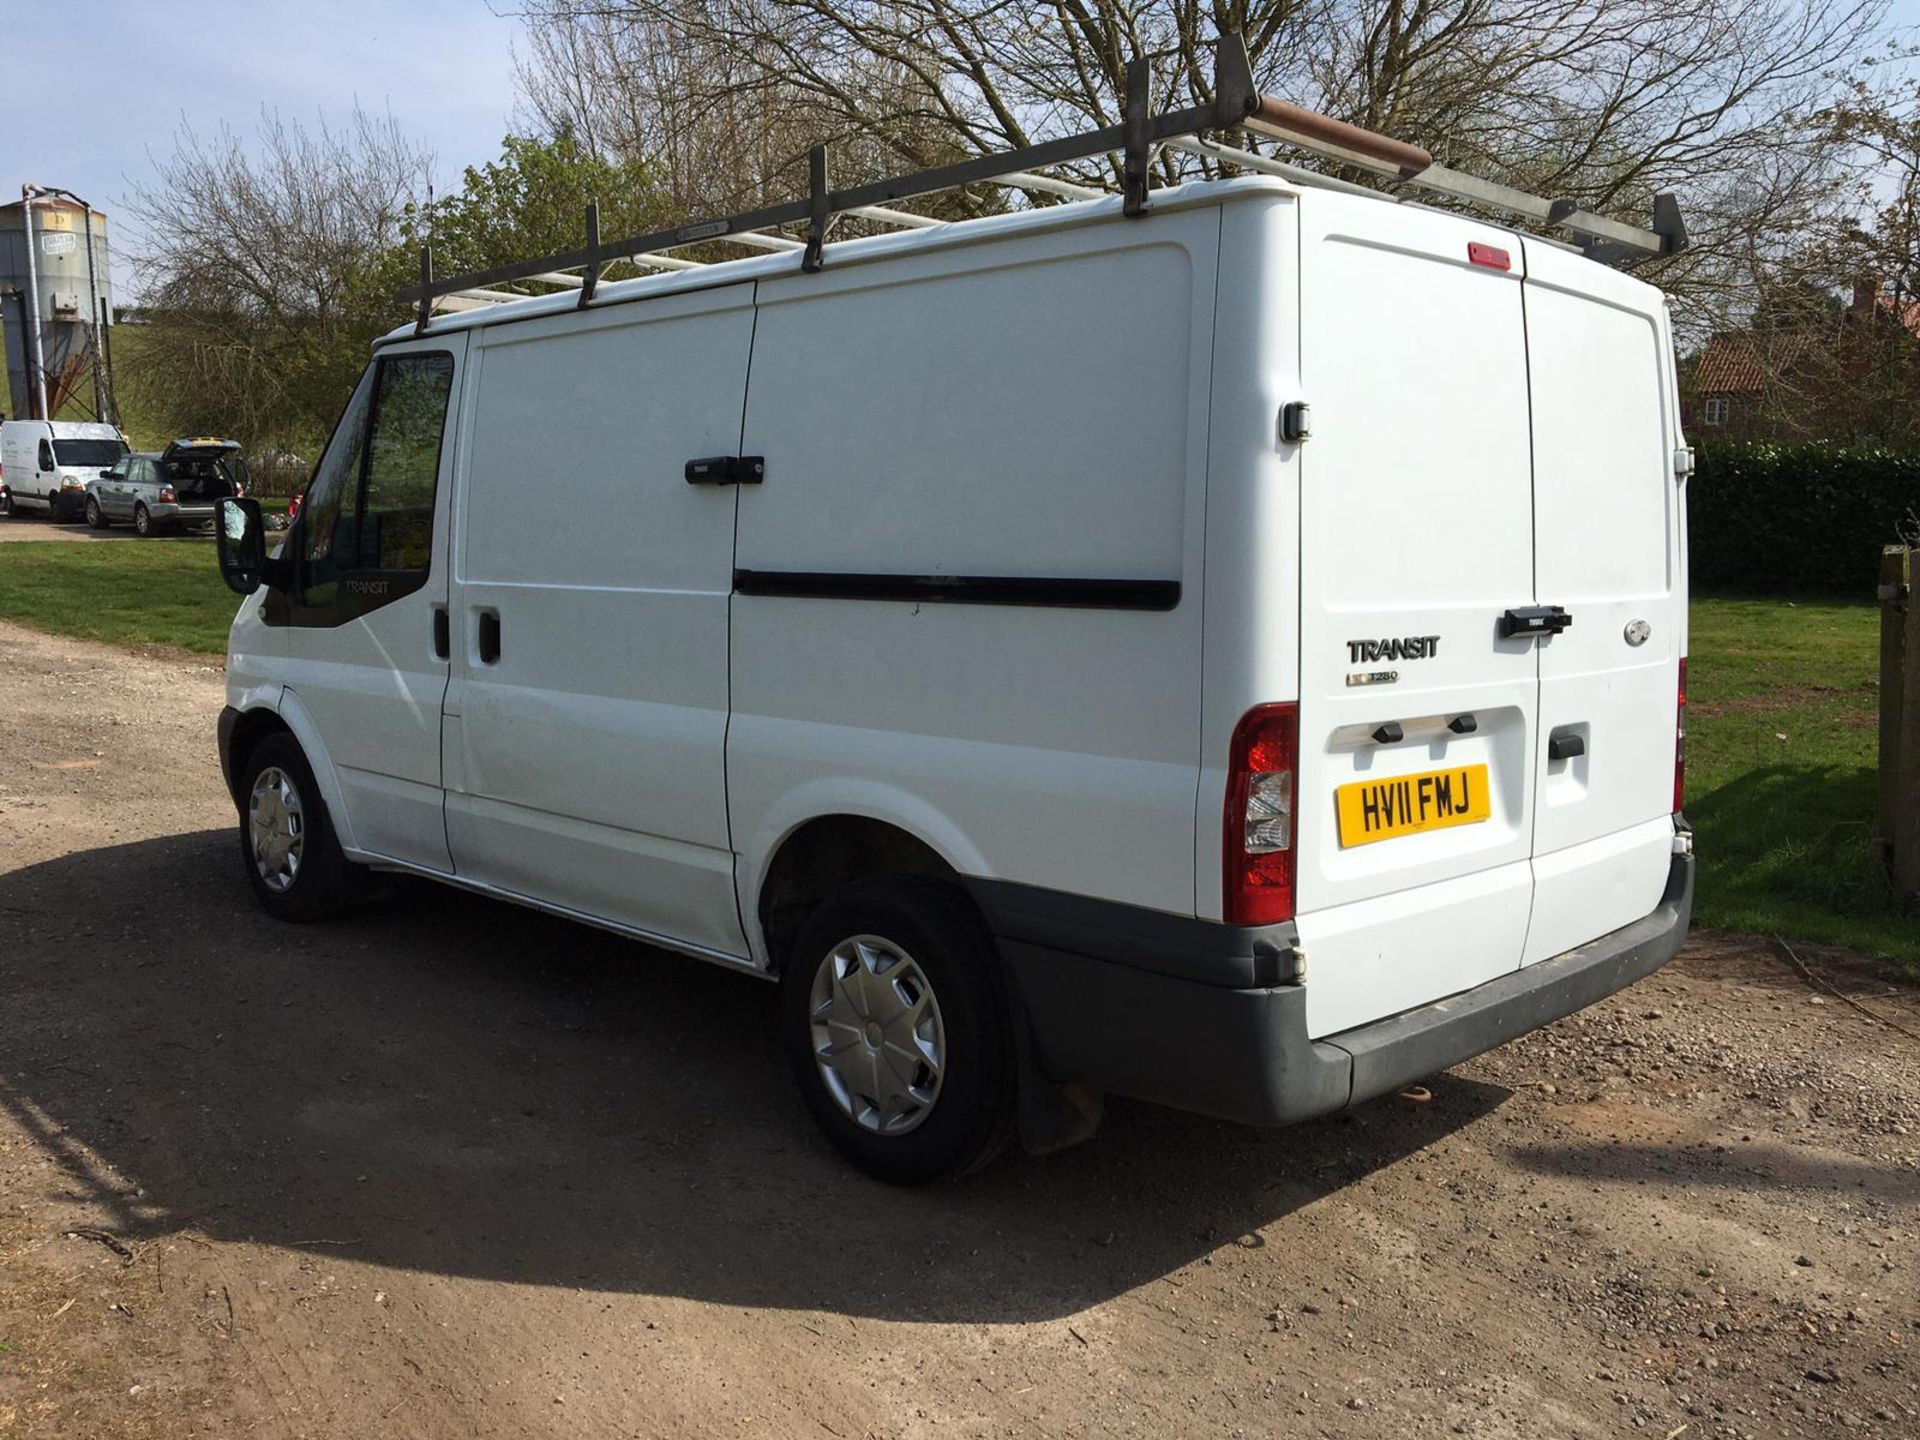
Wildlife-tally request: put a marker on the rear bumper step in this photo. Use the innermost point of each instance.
(1154, 1032)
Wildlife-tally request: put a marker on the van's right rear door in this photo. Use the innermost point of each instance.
(1416, 535)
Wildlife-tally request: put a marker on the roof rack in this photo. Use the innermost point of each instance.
(1138, 136)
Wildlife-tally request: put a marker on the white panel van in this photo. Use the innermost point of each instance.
(1231, 656)
(46, 464)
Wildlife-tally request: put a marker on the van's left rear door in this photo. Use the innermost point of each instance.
(1417, 713)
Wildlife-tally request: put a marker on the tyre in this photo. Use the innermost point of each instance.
(287, 844)
(95, 519)
(142, 522)
(895, 1017)
(6, 504)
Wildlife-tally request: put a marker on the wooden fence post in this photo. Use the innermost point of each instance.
(1899, 817)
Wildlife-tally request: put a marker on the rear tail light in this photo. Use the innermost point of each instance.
(1680, 742)
(168, 496)
(1259, 840)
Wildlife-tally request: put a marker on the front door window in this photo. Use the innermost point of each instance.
(367, 525)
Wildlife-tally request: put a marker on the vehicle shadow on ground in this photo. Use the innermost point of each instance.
(448, 1084)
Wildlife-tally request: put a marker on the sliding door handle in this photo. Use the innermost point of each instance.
(489, 636)
(442, 633)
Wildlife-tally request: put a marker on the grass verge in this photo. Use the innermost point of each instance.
(1783, 732)
(163, 591)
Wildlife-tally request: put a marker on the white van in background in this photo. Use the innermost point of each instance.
(47, 463)
(1230, 656)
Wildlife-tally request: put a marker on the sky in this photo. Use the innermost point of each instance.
(442, 68)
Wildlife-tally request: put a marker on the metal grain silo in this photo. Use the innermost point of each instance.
(55, 302)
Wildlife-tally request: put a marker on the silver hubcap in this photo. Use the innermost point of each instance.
(276, 824)
(877, 1035)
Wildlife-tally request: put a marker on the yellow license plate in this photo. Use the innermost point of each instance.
(1373, 810)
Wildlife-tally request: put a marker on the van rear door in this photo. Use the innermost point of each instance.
(1417, 717)
(1607, 531)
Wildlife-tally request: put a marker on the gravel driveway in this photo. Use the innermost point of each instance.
(450, 1169)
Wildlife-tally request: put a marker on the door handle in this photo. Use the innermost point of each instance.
(727, 470)
(442, 633)
(1565, 747)
(1530, 620)
(489, 636)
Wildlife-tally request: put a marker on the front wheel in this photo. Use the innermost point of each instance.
(287, 844)
(96, 520)
(898, 1030)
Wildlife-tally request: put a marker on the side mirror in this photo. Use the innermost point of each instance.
(106, 474)
(241, 536)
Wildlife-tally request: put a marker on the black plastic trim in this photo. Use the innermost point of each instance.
(229, 721)
(1237, 957)
(1243, 1054)
(1159, 595)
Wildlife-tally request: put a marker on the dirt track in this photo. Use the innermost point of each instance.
(450, 1169)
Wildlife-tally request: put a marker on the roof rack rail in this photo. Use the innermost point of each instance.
(1236, 105)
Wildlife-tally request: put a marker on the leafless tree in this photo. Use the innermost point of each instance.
(258, 273)
(1603, 103)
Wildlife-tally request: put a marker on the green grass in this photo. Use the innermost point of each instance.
(164, 591)
(1783, 727)
(1782, 746)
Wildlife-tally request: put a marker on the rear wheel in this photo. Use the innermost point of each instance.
(142, 522)
(96, 519)
(6, 503)
(897, 1027)
(287, 844)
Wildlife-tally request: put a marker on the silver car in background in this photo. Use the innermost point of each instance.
(177, 487)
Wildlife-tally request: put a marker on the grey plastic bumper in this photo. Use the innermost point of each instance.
(1152, 1033)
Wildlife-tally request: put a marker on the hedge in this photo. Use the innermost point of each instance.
(1795, 519)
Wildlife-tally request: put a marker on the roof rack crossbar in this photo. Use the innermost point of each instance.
(1236, 104)
(905, 219)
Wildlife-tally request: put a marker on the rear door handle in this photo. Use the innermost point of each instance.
(1529, 620)
(489, 636)
(727, 470)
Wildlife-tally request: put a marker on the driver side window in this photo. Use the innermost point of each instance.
(335, 481)
(369, 508)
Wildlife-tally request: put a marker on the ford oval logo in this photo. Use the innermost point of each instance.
(1638, 631)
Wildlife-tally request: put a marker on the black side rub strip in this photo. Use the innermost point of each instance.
(963, 589)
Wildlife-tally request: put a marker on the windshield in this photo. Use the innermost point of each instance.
(98, 453)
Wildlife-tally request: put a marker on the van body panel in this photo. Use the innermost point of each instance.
(1060, 739)
(1415, 525)
(1607, 519)
(589, 754)
(1252, 630)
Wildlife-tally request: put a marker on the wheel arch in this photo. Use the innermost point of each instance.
(824, 853)
(288, 716)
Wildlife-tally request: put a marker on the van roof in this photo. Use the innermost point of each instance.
(862, 250)
(75, 429)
